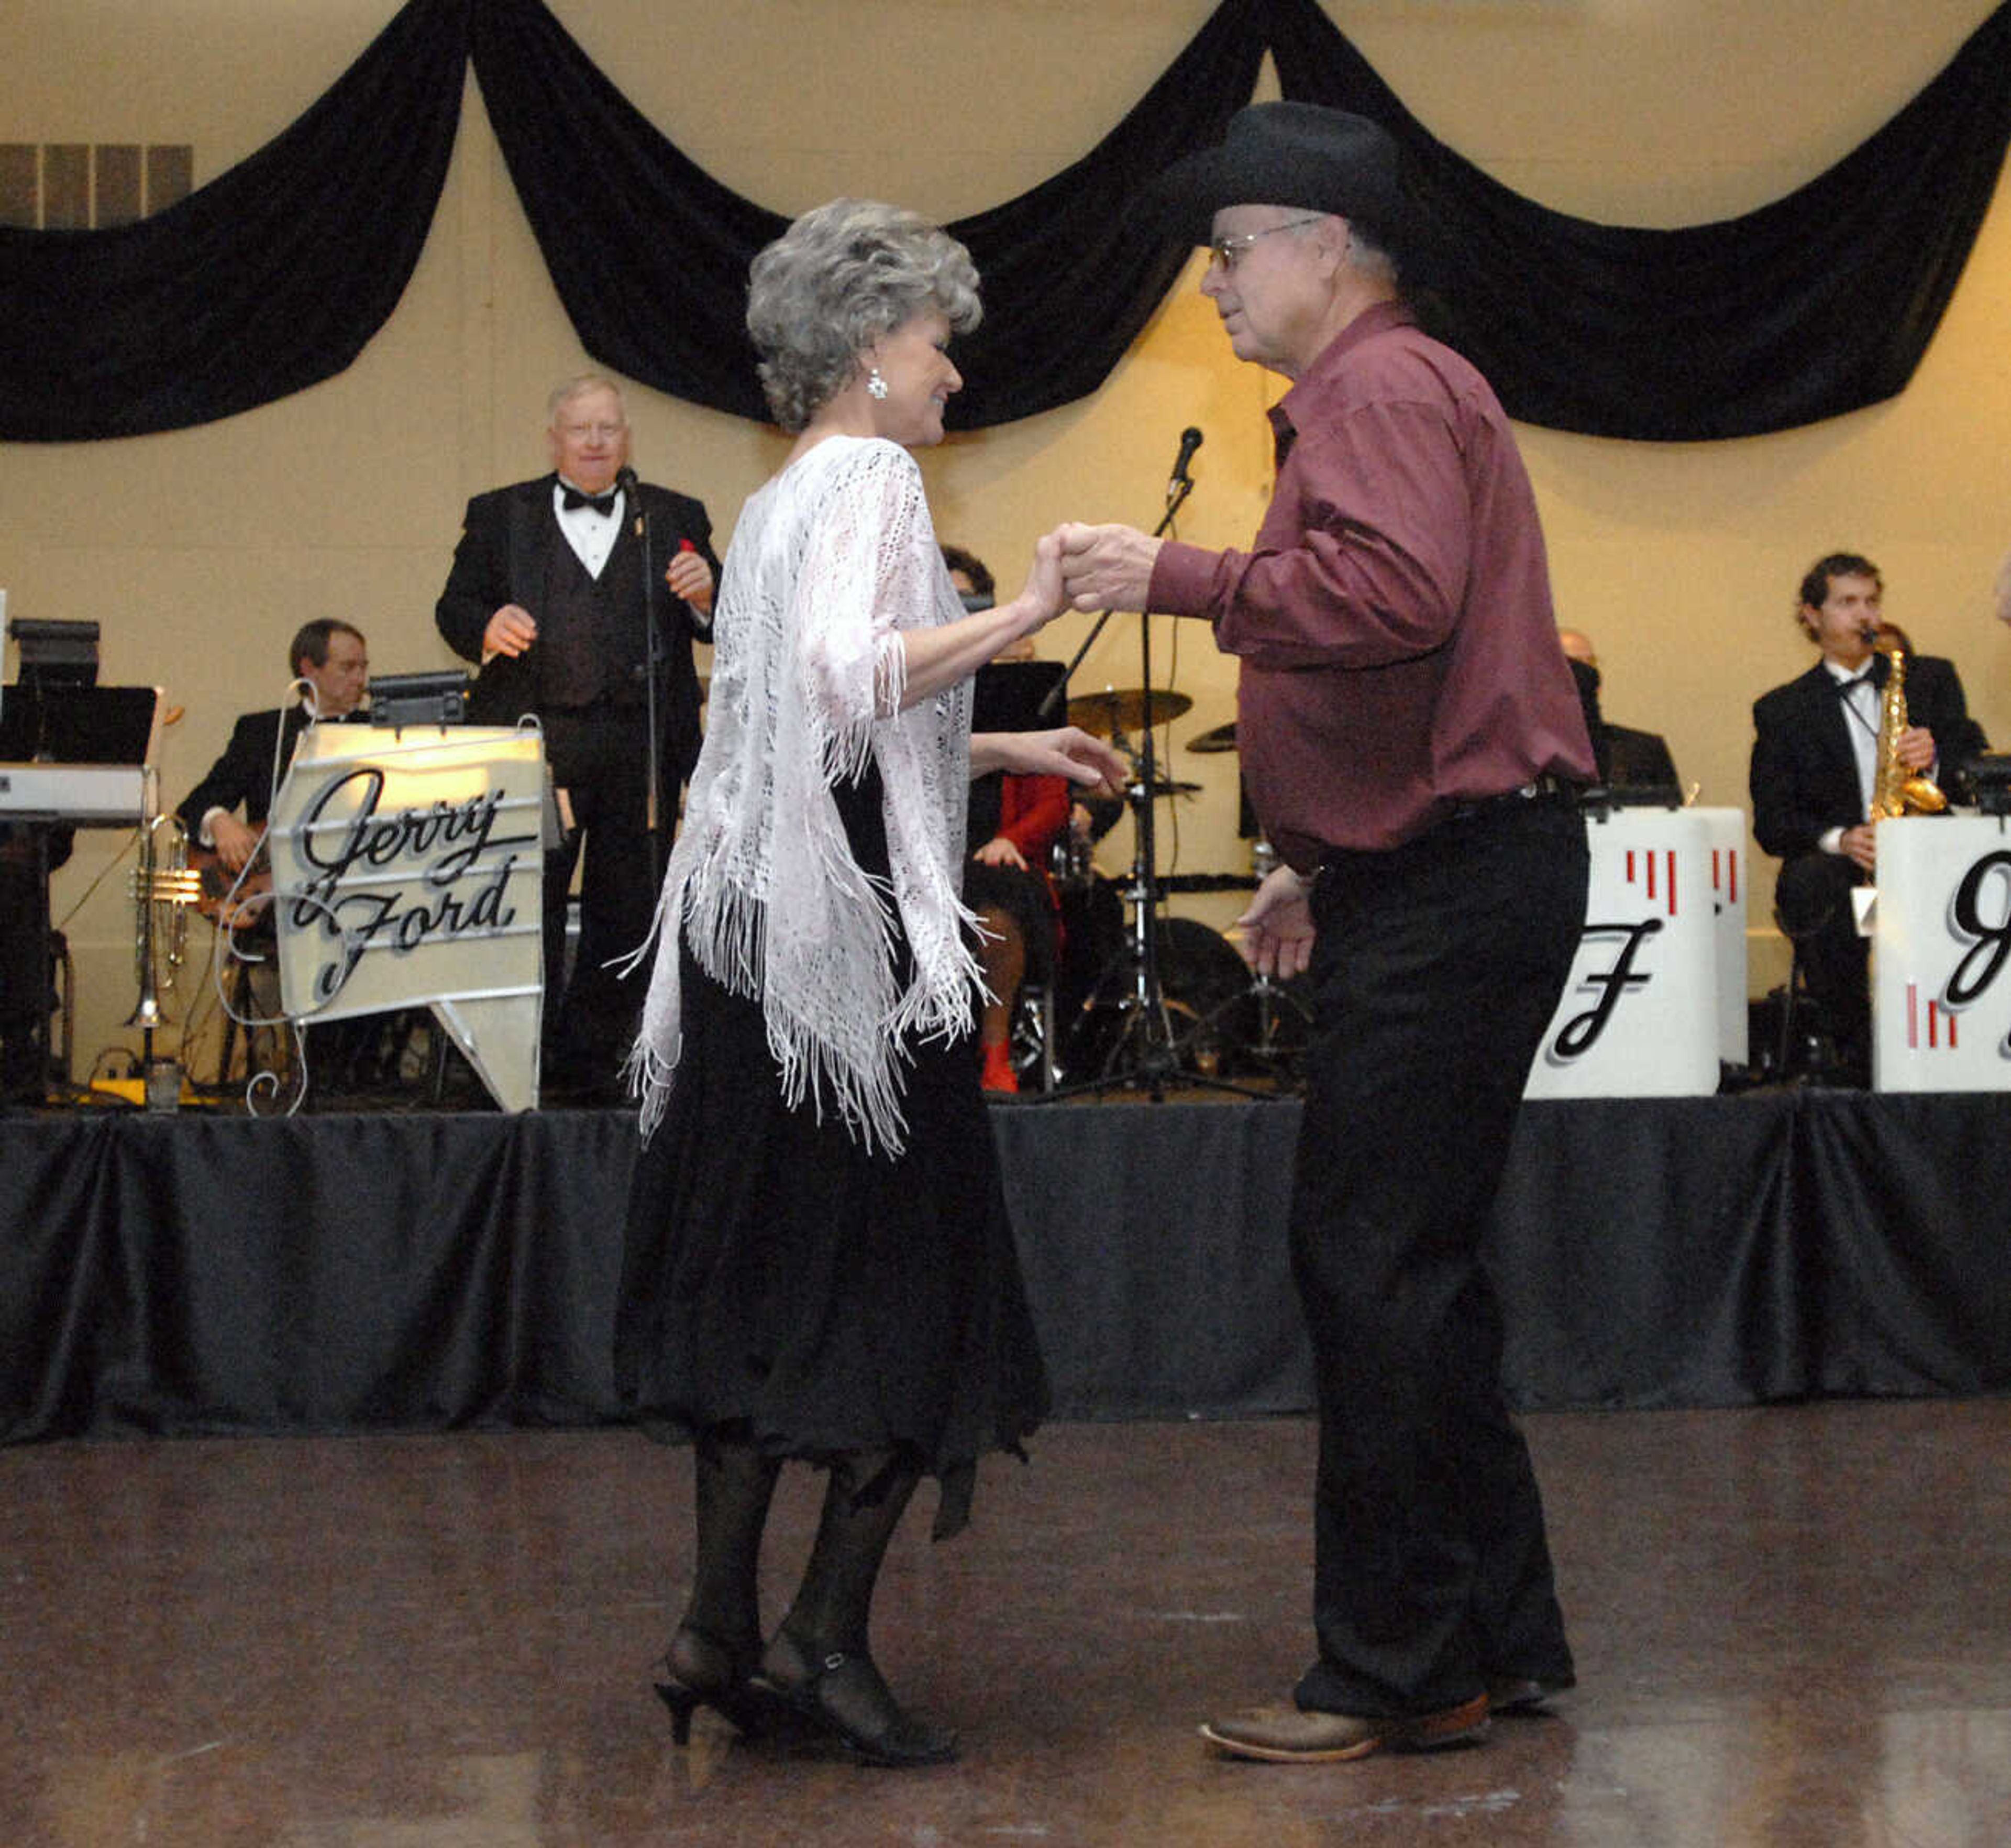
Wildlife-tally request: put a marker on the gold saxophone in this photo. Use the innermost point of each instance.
(1897, 790)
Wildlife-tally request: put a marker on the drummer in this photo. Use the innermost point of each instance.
(1013, 824)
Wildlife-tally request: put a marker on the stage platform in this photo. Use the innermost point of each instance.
(201, 1273)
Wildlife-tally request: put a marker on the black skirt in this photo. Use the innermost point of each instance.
(781, 1280)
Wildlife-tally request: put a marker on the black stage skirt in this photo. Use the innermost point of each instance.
(779, 1280)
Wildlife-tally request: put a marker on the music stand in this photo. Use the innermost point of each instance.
(1013, 695)
(44, 722)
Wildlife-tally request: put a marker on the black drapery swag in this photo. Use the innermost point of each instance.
(275, 275)
(650, 256)
(1820, 303)
(270, 279)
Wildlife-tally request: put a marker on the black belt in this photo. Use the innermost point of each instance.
(1548, 789)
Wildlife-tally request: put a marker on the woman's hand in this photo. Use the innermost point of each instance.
(1066, 751)
(1042, 593)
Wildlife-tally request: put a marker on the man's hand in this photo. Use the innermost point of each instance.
(1859, 844)
(1000, 851)
(1106, 568)
(236, 842)
(1276, 932)
(1916, 748)
(690, 577)
(511, 631)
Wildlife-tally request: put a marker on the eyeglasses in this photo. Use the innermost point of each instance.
(1229, 251)
(601, 432)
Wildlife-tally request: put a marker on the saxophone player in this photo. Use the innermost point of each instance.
(1816, 753)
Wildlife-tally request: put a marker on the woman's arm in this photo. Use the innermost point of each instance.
(941, 657)
(1067, 751)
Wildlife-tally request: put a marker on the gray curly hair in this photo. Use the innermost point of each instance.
(836, 281)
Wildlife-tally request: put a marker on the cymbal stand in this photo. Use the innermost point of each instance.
(1274, 1003)
(1272, 1000)
(1145, 1055)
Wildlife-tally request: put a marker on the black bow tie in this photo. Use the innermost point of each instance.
(601, 503)
(1874, 671)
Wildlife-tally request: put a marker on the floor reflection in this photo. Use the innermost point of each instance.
(1793, 1625)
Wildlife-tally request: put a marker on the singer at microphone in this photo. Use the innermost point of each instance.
(566, 609)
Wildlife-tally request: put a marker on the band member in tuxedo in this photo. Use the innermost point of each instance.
(1815, 752)
(1635, 766)
(551, 591)
(1411, 738)
(332, 657)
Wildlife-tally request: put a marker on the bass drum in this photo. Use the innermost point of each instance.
(1210, 1005)
(1092, 938)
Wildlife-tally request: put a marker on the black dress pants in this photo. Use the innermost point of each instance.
(1812, 896)
(1437, 966)
(599, 755)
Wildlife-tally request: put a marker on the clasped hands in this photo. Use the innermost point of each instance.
(1105, 568)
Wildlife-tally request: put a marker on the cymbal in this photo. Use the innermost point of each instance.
(1221, 739)
(1111, 711)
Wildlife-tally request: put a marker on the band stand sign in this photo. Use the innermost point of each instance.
(1639, 1013)
(1940, 955)
(407, 870)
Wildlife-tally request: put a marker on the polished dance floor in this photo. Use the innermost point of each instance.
(1793, 1625)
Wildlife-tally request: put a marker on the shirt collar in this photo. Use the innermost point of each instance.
(1868, 670)
(1378, 319)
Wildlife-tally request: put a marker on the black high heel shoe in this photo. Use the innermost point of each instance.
(843, 1694)
(700, 1670)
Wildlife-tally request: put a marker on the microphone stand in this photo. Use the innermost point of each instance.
(651, 658)
(1147, 1034)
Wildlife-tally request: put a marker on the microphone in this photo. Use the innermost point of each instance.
(1190, 440)
(625, 479)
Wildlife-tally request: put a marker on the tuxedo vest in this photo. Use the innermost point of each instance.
(592, 632)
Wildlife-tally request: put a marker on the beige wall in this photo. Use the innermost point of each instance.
(200, 552)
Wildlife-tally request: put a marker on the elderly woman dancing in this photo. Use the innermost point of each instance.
(819, 1265)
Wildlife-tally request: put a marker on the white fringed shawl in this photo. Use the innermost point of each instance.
(830, 560)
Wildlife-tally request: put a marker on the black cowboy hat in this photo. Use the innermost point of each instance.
(1290, 154)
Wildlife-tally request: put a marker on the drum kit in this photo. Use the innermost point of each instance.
(1153, 1002)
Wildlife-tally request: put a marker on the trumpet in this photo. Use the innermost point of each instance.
(164, 887)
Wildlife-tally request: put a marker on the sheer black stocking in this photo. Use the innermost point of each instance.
(733, 1484)
(819, 1659)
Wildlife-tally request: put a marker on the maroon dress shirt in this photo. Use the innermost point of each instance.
(1399, 650)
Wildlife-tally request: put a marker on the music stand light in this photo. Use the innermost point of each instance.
(438, 697)
(56, 654)
(1989, 777)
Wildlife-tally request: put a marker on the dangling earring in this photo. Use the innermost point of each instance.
(876, 387)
